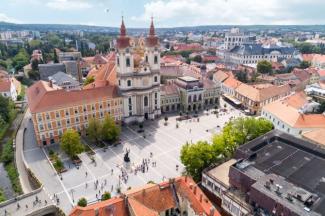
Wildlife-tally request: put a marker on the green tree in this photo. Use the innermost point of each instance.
(94, 130)
(35, 44)
(264, 67)
(55, 57)
(20, 60)
(197, 58)
(110, 130)
(196, 157)
(70, 143)
(3, 63)
(305, 64)
(82, 202)
(35, 64)
(106, 196)
(88, 80)
(4, 108)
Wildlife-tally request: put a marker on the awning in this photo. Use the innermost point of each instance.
(232, 99)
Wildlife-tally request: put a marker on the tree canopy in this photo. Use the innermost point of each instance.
(88, 80)
(20, 60)
(264, 67)
(82, 202)
(70, 143)
(94, 130)
(110, 131)
(198, 156)
(305, 64)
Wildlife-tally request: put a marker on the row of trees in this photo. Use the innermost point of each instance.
(97, 131)
(198, 156)
(106, 130)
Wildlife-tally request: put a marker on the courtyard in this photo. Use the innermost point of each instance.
(158, 152)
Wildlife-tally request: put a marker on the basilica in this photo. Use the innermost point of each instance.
(138, 75)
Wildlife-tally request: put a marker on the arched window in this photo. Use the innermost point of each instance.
(145, 101)
(200, 97)
(194, 98)
(128, 62)
(147, 59)
(189, 99)
(129, 83)
(156, 59)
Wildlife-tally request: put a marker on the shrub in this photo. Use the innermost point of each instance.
(7, 155)
(106, 195)
(82, 202)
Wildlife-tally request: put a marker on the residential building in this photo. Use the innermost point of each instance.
(179, 196)
(234, 38)
(316, 91)
(254, 97)
(294, 115)
(54, 110)
(65, 81)
(8, 88)
(67, 56)
(138, 75)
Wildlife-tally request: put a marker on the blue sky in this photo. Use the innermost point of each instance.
(167, 13)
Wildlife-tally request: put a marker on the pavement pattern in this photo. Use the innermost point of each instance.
(159, 149)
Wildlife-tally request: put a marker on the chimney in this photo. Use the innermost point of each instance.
(194, 190)
(201, 197)
(51, 83)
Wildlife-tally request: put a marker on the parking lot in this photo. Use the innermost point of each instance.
(160, 145)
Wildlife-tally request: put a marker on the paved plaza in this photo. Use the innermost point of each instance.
(161, 145)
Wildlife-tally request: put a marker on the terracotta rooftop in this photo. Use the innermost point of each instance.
(316, 136)
(283, 110)
(263, 94)
(232, 83)
(220, 76)
(151, 200)
(169, 89)
(5, 85)
(42, 97)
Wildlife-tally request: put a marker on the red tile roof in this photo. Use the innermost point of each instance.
(5, 85)
(152, 199)
(42, 97)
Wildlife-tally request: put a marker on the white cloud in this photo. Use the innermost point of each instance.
(5, 18)
(243, 12)
(69, 4)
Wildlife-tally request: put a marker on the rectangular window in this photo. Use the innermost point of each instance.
(49, 125)
(75, 111)
(67, 113)
(77, 119)
(68, 121)
(47, 116)
(39, 118)
(41, 127)
(57, 114)
(156, 59)
(58, 123)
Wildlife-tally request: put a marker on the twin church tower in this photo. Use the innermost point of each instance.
(138, 75)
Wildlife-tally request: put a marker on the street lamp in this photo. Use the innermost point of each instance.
(72, 190)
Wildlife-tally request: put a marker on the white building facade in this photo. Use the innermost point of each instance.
(138, 77)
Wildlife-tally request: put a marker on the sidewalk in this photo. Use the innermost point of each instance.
(19, 142)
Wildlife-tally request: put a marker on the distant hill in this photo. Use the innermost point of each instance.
(4, 26)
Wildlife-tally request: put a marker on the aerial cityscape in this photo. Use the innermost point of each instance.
(162, 108)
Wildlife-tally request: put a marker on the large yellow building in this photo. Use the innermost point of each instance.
(55, 110)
